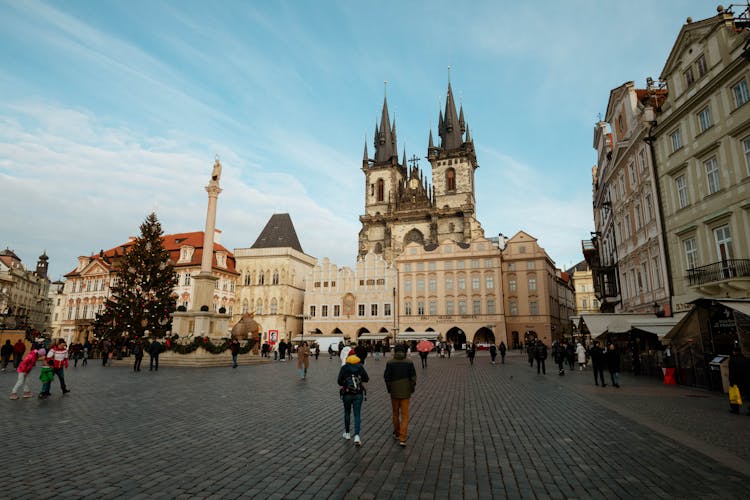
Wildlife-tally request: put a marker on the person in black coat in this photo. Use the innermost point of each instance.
(153, 351)
(540, 353)
(739, 375)
(613, 364)
(502, 352)
(493, 353)
(597, 362)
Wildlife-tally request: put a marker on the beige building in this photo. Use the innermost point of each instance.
(357, 304)
(530, 291)
(23, 293)
(703, 161)
(454, 290)
(583, 283)
(626, 206)
(88, 286)
(272, 280)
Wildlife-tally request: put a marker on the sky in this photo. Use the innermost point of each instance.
(112, 109)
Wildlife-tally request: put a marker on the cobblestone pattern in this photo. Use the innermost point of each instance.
(258, 431)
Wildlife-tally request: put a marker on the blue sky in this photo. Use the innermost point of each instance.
(109, 110)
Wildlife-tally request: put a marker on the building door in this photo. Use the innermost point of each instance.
(457, 337)
(724, 248)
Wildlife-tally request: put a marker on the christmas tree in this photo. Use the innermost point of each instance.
(142, 298)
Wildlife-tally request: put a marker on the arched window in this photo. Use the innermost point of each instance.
(274, 306)
(450, 179)
(247, 280)
(259, 307)
(381, 190)
(261, 278)
(378, 247)
(245, 306)
(275, 277)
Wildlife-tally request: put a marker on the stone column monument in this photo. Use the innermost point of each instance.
(201, 320)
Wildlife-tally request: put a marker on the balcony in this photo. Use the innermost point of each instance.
(724, 276)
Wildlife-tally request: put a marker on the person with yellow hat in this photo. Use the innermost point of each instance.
(351, 380)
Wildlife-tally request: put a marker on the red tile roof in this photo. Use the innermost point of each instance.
(172, 243)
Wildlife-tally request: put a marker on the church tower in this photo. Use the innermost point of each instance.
(42, 265)
(402, 207)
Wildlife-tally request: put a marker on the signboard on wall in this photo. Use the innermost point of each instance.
(273, 336)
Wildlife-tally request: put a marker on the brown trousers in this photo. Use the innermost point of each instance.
(400, 422)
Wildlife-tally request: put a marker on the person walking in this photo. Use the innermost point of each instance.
(423, 358)
(540, 354)
(59, 356)
(317, 351)
(739, 375)
(330, 351)
(493, 353)
(531, 352)
(85, 354)
(153, 351)
(351, 378)
(234, 348)
(598, 362)
(613, 364)
(19, 348)
(471, 352)
(137, 354)
(6, 351)
(400, 381)
(303, 360)
(449, 348)
(282, 350)
(558, 354)
(106, 347)
(503, 349)
(361, 352)
(27, 364)
(581, 356)
(570, 351)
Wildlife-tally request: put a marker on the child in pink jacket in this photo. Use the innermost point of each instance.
(23, 372)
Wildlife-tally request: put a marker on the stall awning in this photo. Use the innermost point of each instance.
(373, 336)
(599, 324)
(418, 336)
(741, 306)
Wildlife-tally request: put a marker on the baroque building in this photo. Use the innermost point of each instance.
(23, 293)
(272, 280)
(402, 205)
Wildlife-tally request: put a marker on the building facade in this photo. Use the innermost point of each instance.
(357, 304)
(631, 272)
(272, 280)
(23, 293)
(583, 283)
(88, 286)
(703, 160)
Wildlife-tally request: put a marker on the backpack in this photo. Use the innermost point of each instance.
(352, 385)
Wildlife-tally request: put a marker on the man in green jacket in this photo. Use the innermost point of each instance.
(400, 379)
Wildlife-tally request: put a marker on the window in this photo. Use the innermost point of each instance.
(312, 311)
(433, 285)
(644, 270)
(533, 308)
(513, 308)
(420, 308)
(420, 285)
(723, 242)
(431, 266)
(261, 278)
(627, 226)
(682, 191)
(386, 309)
(448, 283)
(512, 285)
(85, 311)
(511, 266)
(275, 277)
(532, 283)
(450, 179)
(691, 253)
(475, 263)
(448, 265)
(704, 119)
(488, 263)
(461, 283)
(676, 140)
(530, 264)
(746, 146)
(631, 169)
(656, 272)
(407, 267)
(275, 308)
(420, 266)
(712, 175)
(649, 208)
(700, 63)
(740, 94)
(642, 161)
(461, 264)
(490, 306)
(476, 307)
(407, 285)
(638, 217)
(381, 190)
(323, 311)
(489, 282)
(373, 309)
(689, 77)
(360, 310)
(449, 307)
(407, 308)
(433, 308)
(475, 282)
(336, 311)
(461, 307)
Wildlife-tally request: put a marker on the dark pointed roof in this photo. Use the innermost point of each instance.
(385, 136)
(365, 159)
(431, 144)
(278, 233)
(450, 128)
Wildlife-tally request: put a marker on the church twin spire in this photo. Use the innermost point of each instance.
(451, 126)
(386, 145)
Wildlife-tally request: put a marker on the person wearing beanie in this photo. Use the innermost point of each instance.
(351, 380)
(400, 380)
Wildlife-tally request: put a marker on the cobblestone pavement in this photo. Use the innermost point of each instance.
(479, 431)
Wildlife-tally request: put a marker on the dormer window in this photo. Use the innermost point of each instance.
(186, 253)
(221, 259)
